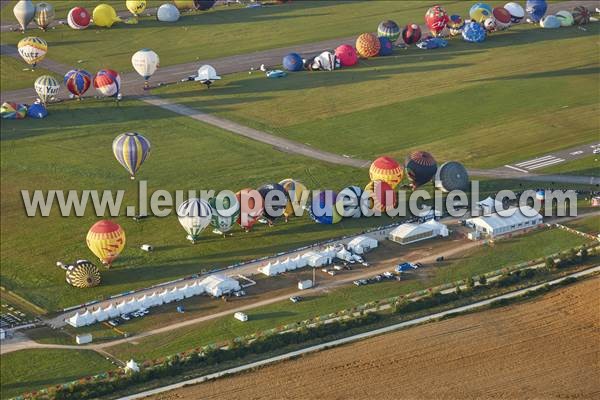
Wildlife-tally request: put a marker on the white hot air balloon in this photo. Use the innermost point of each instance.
(207, 75)
(145, 62)
(194, 215)
(24, 12)
(46, 87)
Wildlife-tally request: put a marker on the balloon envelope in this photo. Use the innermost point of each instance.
(44, 15)
(474, 32)
(385, 47)
(271, 194)
(79, 18)
(194, 215)
(32, 49)
(420, 167)
(167, 13)
(411, 34)
(83, 274)
(389, 29)
(136, 6)
(322, 208)
(517, 13)
(131, 150)
(293, 62)
(581, 15)
(106, 240)
(347, 55)
(10, 110)
(451, 176)
(386, 169)
(204, 5)
(78, 81)
(382, 197)
(37, 110)
(536, 9)
(565, 18)
(479, 12)
(294, 190)
(108, 82)
(550, 22)
(350, 199)
(367, 45)
(24, 12)
(105, 16)
(251, 207)
(225, 212)
(145, 62)
(436, 19)
(46, 87)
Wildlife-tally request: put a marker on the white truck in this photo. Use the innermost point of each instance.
(241, 316)
(303, 285)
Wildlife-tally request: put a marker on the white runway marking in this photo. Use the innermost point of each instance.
(547, 163)
(536, 163)
(515, 168)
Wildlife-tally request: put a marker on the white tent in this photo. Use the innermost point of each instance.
(314, 259)
(153, 300)
(291, 264)
(76, 320)
(217, 285)
(196, 288)
(439, 228)
(122, 307)
(144, 303)
(489, 206)
(269, 269)
(132, 366)
(344, 254)
(167, 296)
(87, 318)
(361, 244)
(100, 315)
(177, 294)
(299, 261)
(112, 311)
(329, 252)
(133, 305)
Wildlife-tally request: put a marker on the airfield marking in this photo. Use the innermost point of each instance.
(515, 168)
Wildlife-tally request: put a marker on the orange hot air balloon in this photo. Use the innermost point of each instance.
(106, 240)
(383, 196)
(251, 207)
(368, 45)
(388, 170)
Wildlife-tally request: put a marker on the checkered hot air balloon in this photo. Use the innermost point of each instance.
(106, 240)
(46, 88)
(32, 49)
(131, 149)
(83, 274)
(108, 82)
(386, 169)
(194, 215)
(78, 81)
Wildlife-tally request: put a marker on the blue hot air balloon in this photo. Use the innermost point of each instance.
(323, 208)
(536, 9)
(386, 48)
(37, 110)
(131, 150)
(474, 32)
(293, 62)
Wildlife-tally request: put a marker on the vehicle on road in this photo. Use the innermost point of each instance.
(296, 299)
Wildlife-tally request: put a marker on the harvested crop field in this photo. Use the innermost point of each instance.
(544, 348)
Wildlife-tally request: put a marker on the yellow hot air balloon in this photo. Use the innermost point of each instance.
(294, 190)
(106, 240)
(136, 7)
(184, 4)
(105, 16)
(32, 49)
(386, 169)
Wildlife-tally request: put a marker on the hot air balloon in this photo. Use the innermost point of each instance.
(347, 55)
(225, 212)
(490, 24)
(385, 47)
(293, 62)
(367, 45)
(455, 25)
(204, 5)
(167, 13)
(502, 17)
(184, 4)
(207, 75)
(32, 50)
(411, 34)
(37, 111)
(474, 32)
(145, 62)
(106, 240)
(517, 13)
(251, 208)
(136, 7)
(44, 15)
(386, 169)
(420, 168)
(83, 274)
(322, 208)
(24, 12)
(389, 29)
(10, 110)
(550, 22)
(581, 15)
(78, 81)
(131, 150)
(79, 18)
(479, 12)
(536, 9)
(108, 82)
(436, 19)
(382, 197)
(105, 16)
(273, 194)
(349, 200)
(294, 190)
(565, 18)
(194, 215)
(451, 176)
(46, 88)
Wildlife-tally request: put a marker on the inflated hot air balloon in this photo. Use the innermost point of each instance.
(46, 88)
(581, 15)
(131, 150)
(479, 12)
(517, 13)
(106, 240)
(44, 15)
(382, 197)
(347, 55)
(204, 5)
(145, 62)
(386, 169)
(293, 62)
(272, 193)
(420, 168)
(225, 212)
(32, 50)
(37, 111)
(251, 207)
(322, 208)
(350, 199)
(83, 274)
(184, 4)
(108, 82)
(78, 81)
(167, 13)
(451, 176)
(136, 7)
(10, 110)
(550, 22)
(389, 29)
(194, 215)
(502, 17)
(207, 75)
(474, 32)
(411, 34)
(367, 45)
(436, 19)
(385, 47)
(455, 25)
(294, 190)
(79, 18)
(24, 12)
(105, 16)
(490, 25)
(565, 18)
(536, 9)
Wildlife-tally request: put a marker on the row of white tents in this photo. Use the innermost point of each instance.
(315, 258)
(214, 285)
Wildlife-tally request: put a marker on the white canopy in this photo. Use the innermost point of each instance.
(363, 243)
(112, 311)
(314, 259)
(217, 285)
(87, 318)
(344, 255)
(76, 320)
(132, 366)
(100, 315)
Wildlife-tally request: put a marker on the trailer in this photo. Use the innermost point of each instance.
(303, 285)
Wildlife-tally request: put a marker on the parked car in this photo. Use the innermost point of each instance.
(325, 270)
(338, 267)
(112, 322)
(365, 264)
(296, 299)
(439, 259)
(418, 265)
(388, 274)
(239, 293)
(332, 272)
(126, 317)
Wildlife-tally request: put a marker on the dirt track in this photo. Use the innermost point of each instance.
(547, 348)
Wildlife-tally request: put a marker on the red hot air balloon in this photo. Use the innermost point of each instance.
(251, 207)
(436, 19)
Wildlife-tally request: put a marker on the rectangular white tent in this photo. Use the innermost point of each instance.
(218, 285)
(493, 225)
(299, 261)
(361, 244)
(344, 255)
(411, 232)
(314, 259)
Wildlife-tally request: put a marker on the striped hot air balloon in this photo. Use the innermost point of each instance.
(106, 240)
(194, 215)
(388, 170)
(420, 167)
(46, 87)
(83, 274)
(225, 212)
(32, 49)
(108, 82)
(131, 149)
(389, 29)
(44, 15)
(78, 81)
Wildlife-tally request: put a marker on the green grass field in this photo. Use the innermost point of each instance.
(589, 166)
(589, 225)
(14, 77)
(27, 370)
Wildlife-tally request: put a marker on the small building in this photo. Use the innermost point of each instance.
(84, 338)
(495, 225)
(596, 201)
(218, 285)
(489, 206)
(411, 232)
(303, 285)
(362, 244)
